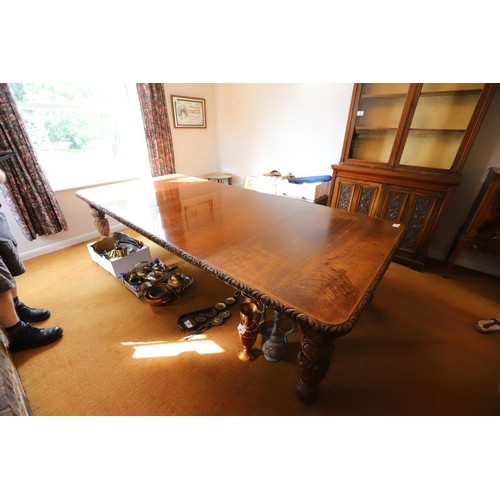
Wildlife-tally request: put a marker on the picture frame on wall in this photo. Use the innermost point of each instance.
(188, 112)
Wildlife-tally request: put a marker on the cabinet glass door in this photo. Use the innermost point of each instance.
(439, 124)
(378, 117)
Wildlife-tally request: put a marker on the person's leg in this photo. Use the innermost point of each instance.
(22, 335)
(26, 313)
(15, 317)
(17, 325)
(8, 315)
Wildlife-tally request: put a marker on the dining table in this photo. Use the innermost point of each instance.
(316, 265)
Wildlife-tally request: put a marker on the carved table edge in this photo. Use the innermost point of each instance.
(318, 326)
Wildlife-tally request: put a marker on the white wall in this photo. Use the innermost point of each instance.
(196, 151)
(80, 227)
(296, 128)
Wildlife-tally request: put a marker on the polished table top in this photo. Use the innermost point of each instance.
(316, 264)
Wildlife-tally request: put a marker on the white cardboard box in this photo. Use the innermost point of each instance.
(118, 265)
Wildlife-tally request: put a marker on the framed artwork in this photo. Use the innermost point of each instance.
(189, 112)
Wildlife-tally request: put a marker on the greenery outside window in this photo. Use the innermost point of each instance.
(84, 133)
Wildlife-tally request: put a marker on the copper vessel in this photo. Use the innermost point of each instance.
(251, 319)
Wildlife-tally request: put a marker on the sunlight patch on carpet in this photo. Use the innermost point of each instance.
(201, 345)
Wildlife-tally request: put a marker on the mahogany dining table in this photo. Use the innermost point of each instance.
(317, 265)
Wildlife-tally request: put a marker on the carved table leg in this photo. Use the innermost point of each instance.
(313, 362)
(100, 221)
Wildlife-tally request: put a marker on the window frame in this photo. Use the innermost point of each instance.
(104, 171)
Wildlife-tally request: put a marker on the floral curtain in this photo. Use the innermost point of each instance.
(157, 128)
(27, 190)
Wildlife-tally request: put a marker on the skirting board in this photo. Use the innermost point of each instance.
(61, 245)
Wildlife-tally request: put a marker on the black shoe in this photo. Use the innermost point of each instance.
(31, 314)
(27, 336)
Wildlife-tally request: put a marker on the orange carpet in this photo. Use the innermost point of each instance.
(413, 352)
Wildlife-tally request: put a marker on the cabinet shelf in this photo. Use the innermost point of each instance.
(424, 94)
(362, 130)
(373, 129)
(453, 130)
(384, 96)
(451, 92)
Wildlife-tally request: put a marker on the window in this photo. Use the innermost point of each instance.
(84, 133)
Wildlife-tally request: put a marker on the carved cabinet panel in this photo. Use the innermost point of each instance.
(361, 198)
(418, 211)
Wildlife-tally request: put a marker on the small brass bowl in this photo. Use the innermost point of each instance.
(175, 281)
(157, 295)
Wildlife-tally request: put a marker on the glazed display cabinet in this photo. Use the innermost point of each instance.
(404, 150)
